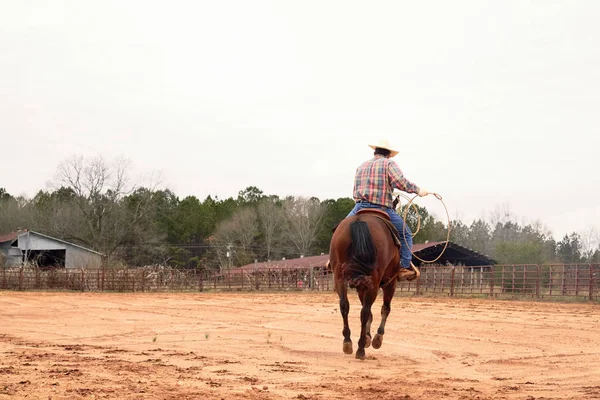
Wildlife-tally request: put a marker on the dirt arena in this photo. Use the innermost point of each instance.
(289, 346)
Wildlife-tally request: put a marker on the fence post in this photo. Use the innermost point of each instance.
(537, 283)
(3, 278)
(492, 276)
(591, 294)
(550, 283)
(82, 280)
(452, 281)
(577, 280)
(564, 287)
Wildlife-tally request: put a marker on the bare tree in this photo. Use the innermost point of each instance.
(590, 241)
(272, 219)
(100, 190)
(502, 214)
(235, 238)
(304, 218)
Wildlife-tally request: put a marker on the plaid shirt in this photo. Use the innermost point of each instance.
(376, 178)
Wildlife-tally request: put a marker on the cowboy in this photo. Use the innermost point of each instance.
(374, 183)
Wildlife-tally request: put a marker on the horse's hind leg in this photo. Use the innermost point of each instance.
(388, 294)
(367, 298)
(344, 310)
(368, 334)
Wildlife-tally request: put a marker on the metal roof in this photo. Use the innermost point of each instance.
(11, 237)
(454, 253)
(294, 263)
(14, 235)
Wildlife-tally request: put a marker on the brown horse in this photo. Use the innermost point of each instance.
(364, 256)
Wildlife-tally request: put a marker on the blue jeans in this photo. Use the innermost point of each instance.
(403, 229)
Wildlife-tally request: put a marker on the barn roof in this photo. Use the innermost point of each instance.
(454, 254)
(10, 237)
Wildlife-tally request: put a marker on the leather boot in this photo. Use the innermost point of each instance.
(408, 274)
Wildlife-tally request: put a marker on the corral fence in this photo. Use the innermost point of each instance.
(577, 281)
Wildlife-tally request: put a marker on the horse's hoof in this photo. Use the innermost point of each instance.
(360, 354)
(367, 341)
(348, 347)
(377, 341)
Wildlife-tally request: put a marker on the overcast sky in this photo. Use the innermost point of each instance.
(489, 103)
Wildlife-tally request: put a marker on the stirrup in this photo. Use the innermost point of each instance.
(416, 270)
(409, 274)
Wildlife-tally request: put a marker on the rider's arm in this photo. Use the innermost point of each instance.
(398, 181)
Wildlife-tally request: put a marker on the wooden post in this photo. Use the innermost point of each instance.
(550, 279)
(442, 282)
(492, 276)
(537, 283)
(452, 281)
(591, 293)
(564, 285)
(577, 280)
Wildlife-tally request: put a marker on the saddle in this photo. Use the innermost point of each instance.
(384, 217)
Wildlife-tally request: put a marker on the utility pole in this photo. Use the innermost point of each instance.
(229, 255)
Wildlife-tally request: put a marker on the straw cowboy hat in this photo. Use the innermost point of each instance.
(384, 144)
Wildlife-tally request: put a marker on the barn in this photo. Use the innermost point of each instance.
(46, 251)
(454, 254)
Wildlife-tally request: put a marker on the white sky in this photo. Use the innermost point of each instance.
(488, 102)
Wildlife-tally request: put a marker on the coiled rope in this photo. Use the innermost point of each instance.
(405, 214)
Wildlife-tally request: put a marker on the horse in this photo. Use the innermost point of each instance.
(363, 255)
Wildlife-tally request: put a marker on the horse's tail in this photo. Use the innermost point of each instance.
(362, 255)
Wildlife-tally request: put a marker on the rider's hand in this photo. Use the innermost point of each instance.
(423, 192)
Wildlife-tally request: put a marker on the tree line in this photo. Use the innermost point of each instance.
(95, 204)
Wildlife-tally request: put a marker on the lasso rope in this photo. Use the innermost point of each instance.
(405, 214)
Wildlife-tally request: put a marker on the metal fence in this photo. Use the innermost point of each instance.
(163, 279)
(575, 281)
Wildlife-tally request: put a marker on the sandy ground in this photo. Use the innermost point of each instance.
(289, 346)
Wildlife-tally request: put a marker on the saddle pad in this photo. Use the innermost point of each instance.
(386, 221)
(374, 211)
